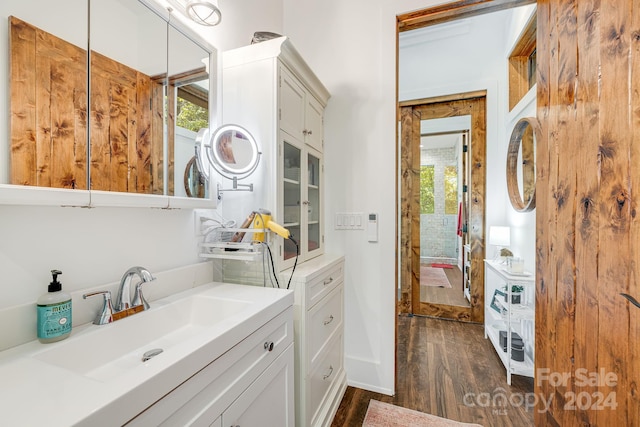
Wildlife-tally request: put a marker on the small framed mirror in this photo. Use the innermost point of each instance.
(233, 152)
(521, 164)
(194, 180)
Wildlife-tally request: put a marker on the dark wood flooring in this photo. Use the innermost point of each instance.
(446, 296)
(449, 369)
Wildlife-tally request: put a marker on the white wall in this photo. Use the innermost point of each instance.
(352, 47)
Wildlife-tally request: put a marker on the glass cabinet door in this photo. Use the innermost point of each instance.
(312, 204)
(292, 194)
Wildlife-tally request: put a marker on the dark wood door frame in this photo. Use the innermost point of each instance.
(412, 112)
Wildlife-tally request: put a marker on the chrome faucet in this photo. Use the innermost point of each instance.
(123, 300)
(124, 306)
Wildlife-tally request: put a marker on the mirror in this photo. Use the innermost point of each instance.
(188, 106)
(131, 130)
(444, 171)
(128, 71)
(521, 164)
(194, 180)
(233, 152)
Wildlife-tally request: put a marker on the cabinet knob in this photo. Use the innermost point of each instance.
(324, 377)
(329, 320)
(268, 345)
(309, 132)
(329, 280)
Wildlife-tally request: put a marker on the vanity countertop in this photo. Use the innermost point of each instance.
(41, 385)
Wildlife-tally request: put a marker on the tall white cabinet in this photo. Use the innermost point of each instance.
(269, 89)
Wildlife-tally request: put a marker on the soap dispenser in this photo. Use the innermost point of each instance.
(54, 312)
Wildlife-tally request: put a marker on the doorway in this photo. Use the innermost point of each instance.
(465, 209)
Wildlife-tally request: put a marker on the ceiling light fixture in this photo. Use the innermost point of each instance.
(203, 12)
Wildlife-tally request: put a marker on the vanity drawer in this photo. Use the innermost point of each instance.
(323, 284)
(324, 319)
(324, 375)
(212, 390)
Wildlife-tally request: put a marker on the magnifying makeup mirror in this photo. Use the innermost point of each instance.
(232, 152)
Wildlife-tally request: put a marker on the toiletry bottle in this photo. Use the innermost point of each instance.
(54, 312)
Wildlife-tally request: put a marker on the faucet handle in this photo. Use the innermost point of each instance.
(106, 314)
(138, 297)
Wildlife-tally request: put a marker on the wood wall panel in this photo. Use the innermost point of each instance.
(633, 358)
(544, 323)
(587, 220)
(23, 136)
(43, 126)
(157, 134)
(587, 233)
(140, 153)
(477, 205)
(48, 127)
(49, 118)
(614, 202)
(410, 128)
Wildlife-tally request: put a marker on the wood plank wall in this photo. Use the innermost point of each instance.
(49, 127)
(588, 236)
(126, 128)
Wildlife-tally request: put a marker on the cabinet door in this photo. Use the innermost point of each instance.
(312, 204)
(269, 401)
(313, 123)
(292, 167)
(292, 105)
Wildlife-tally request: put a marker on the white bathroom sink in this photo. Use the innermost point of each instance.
(97, 376)
(117, 348)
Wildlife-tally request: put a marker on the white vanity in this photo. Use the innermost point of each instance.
(227, 359)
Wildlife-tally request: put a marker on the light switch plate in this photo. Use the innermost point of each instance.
(349, 221)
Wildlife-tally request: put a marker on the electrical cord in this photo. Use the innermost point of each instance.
(273, 267)
(295, 263)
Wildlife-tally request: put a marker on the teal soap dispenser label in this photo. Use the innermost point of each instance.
(54, 312)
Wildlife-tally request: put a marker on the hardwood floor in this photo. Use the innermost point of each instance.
(447, 296)
(449, 369)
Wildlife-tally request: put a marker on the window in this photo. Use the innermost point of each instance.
(192, 109)
(522, 64)
(450, 190)
(427, 201)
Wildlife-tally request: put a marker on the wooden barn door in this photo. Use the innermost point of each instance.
(588, 229)
(471, 104)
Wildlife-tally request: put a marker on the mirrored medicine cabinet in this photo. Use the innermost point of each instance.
(103, 104)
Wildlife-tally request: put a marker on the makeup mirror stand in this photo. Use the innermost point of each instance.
(236, 187)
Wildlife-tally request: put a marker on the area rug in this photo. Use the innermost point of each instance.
(380, 414)
(433, 277)
(438, 265)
